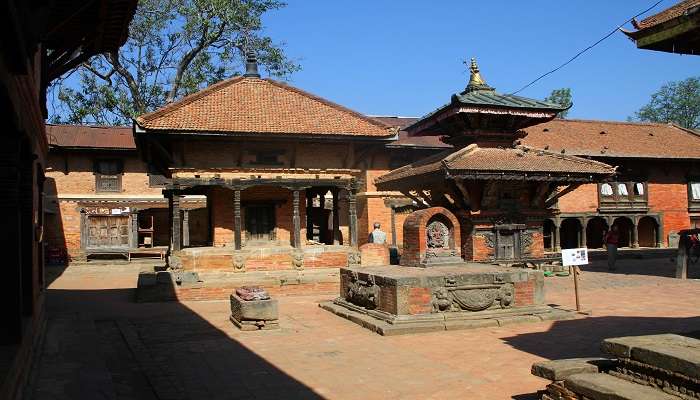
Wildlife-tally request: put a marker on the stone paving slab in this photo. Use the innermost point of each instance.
(596, 386)
(675, 353)
(558, 370)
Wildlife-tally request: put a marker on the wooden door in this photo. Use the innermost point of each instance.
(260, 223)
(506, 246)
(108, 231)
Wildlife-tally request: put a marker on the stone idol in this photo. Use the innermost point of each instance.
(253, 309)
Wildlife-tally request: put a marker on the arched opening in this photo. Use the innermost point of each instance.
(548, 235)
(595, 229)
(569, 233)
(646, 231)
(625, 226)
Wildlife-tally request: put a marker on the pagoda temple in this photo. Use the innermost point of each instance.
(500, 189)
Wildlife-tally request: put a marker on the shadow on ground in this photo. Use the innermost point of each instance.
(101, 345)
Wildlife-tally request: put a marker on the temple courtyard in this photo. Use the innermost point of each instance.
(102, 345)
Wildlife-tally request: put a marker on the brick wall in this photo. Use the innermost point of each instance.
(264, 259)
(373, 254)
(583, 199)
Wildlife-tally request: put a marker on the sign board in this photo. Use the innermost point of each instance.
(574, 256)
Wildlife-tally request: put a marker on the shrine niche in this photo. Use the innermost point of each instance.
(431, 238)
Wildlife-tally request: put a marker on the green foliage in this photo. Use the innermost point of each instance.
(175, 48)
(562, 97)
(676, 102)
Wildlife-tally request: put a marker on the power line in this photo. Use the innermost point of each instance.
(586, 49)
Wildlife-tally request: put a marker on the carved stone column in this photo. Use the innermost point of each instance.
(584, 239)
(393, 226)
(557, 238)
(309, 206)
(682, 258)
(659, 234)
(296, 221)
(352, 212)
(237, 219)
(134, 228)
(176, 222)
(185, 228)
(336, 217)
(635, 233)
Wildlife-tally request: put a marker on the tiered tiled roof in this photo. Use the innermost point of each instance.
(250, 105)
(90, 137)
(614, 139)
(668, 14)
(521, 162)
(674, 30)
(404, 140)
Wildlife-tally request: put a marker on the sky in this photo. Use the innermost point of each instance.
(406, 57)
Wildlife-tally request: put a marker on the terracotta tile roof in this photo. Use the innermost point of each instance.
(404, 140)
(521, 162)
(263, 106)
(88, 136)
(614, 139)
(668, 14)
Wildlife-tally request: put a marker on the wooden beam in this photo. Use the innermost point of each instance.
(553, 198)
(459, 183)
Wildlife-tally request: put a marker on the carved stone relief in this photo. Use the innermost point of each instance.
(472, 297)
(438, 235)
(362, 293)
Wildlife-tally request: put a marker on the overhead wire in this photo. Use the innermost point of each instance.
(587, 48)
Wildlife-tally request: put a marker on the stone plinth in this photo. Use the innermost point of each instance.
(254, 314)
(663, 366)
(396, 300)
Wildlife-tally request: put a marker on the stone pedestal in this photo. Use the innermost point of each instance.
(397, 300)
(251, 315)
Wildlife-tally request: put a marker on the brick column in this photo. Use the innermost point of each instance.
(296, 220)
(175, 222)
(336, 217)
(185, 228)
(352, 208)
(237, 218)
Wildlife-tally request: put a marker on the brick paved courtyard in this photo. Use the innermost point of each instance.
(101, 345)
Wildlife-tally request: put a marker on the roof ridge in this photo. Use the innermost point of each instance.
(170, 107)
(567, 157)
(329, 103)
(639, 123)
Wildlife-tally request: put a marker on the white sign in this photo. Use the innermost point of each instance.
(574, 256)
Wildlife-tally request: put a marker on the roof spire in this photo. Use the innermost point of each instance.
(476, 82)
(251, 65)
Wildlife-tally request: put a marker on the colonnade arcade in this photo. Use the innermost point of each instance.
(313, 190)
(587, 230)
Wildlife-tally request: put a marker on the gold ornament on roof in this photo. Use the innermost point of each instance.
(476, 82)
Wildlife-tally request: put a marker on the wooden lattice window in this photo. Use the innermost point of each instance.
(108, 175)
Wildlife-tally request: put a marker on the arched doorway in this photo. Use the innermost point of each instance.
(569, 233)
(595, 229)
(625, 226)
(647, 230)
(548, 235)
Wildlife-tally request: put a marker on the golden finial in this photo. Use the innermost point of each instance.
(476, 82)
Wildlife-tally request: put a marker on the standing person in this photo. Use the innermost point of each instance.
(612, 239)
(377, 236)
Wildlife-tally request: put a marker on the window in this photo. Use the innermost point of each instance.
(606, 189)
(695, 191)
(108, 175)
(622, 189)
(639, 189)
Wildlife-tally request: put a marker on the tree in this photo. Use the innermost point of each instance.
(175, 48)
(676, 102)
(562, 97)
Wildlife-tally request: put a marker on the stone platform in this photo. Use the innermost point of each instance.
(392, 300)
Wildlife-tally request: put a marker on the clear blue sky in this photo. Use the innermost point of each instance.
(405, 57)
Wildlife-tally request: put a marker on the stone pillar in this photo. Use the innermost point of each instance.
(134, 228)
(296, 221)
(659, 234)
(584, 239)
(557, 239)
(237, 219)
(635, 233)
(185, 228)
(682, 257)
(336, 217)
(352, 208)
(175, 222)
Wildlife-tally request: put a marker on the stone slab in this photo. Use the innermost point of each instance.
(675, 353)
(558, 370)
(596, 386)
(440, 321)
